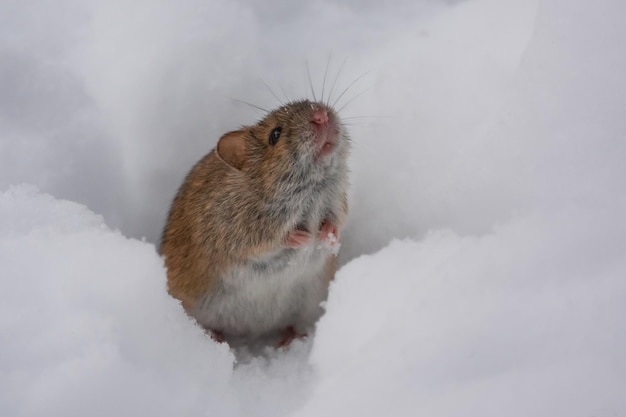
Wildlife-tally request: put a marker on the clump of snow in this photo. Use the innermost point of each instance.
(330, 243)
(87, 327)
(523, 321)
(488, 147)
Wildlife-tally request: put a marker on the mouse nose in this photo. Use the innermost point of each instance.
(319, 117)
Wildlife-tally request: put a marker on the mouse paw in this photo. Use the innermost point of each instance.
(328, 233)
(297, 238)
(216, 335)
(329, 237)
(287, 336)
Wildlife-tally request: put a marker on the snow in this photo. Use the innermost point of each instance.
(483, 268)
(512, 323)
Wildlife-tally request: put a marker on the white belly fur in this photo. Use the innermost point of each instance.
(250, 302)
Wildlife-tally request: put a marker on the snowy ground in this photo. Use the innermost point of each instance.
(484, 267)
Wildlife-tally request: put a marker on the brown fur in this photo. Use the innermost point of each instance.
(219, 218)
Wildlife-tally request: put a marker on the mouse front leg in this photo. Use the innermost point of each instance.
(328, 237)
(329, 229)
(216, 335)
(298, 237)
(328, 233)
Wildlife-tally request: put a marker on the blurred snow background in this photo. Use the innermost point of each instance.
(489, 148)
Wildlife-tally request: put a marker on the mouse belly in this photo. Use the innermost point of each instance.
(266, 296)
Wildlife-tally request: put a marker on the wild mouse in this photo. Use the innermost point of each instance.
(251, 238)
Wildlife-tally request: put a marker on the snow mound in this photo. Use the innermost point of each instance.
(527, 320)
(87, 327)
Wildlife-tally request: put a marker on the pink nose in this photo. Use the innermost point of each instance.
(319, 117)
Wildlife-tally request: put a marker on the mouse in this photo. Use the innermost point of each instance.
(251, 239)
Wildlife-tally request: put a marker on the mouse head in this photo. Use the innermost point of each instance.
(299, 136)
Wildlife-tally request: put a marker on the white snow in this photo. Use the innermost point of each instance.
(484, 264)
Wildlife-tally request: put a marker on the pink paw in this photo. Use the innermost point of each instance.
(217, 335)
(297, 238)
(328, 233)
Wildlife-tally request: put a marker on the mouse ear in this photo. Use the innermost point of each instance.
(231, 148)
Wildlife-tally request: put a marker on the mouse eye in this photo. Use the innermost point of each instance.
(274, 135)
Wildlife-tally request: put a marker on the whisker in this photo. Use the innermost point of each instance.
(250, 104)
(347, 88)
(284, 94)
(361, 117)
(354, 123)
(351, 100)
(332, 87)
(272, 92)
(308, 71)
(324, 82)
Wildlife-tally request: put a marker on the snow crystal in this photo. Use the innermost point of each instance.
(330, 244)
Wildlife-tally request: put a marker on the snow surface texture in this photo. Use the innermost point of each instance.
(492, 158)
